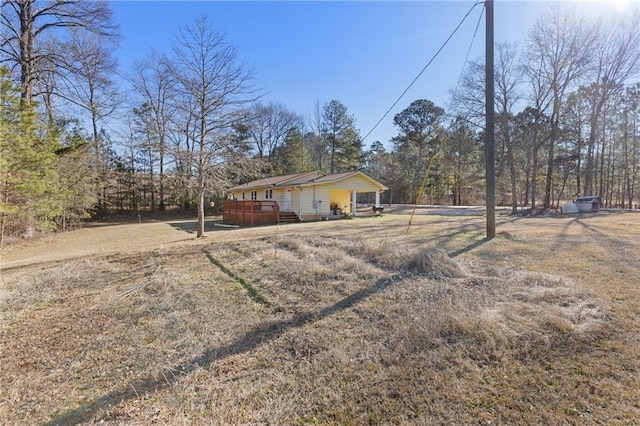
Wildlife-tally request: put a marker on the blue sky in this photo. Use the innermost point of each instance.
(362, 53)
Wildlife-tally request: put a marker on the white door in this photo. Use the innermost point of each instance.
(287, 201)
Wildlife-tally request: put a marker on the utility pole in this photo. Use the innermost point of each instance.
(490, 124)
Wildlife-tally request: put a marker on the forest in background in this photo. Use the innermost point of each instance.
(195, 122)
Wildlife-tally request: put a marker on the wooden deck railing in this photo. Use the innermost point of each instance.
(250, 213)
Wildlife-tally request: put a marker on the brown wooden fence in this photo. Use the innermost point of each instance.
(250, 213)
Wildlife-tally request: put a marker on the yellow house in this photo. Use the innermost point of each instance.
(311, 195)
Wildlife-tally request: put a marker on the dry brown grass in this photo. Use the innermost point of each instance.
(352, 322)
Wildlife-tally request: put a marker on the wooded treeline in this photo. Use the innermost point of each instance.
(194, 122)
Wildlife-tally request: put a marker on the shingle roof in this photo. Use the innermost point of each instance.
(334, 177)
(302, 179)
(271, 181)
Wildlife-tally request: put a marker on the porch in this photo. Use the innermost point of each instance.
(255, 213)
(250, 212)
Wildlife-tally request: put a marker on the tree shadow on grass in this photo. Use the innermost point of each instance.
(469, 247)
(256, 337)
(600, 235)
(253, 292)
(190, 226)
(564, 240)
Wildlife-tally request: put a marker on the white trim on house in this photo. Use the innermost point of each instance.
(312, 194)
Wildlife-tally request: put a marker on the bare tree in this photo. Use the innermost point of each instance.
(90, 86)
(617, 58)
(315, 142)
(32, 35)
(213, 86)
(531, 131)
(127, 166)
(631, 143)
(468, 100)
(507, 95)
(557, 54)
(268, 125)
(533, 122)
(576, 126)
(154, 83)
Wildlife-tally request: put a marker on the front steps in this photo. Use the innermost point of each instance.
(288, 217)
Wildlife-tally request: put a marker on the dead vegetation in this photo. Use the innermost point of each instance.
(357, 323)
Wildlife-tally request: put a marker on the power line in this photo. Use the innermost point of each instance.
(466, 59)
(464, 65)
(423, 70)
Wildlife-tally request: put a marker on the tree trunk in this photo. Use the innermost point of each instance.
(201, 171)
(550, 161)
(200, 231)
(534, 179)
(601, 171)
(26, 50)
(593, 131)
(161, 206)
(2, 222)
(101, 171)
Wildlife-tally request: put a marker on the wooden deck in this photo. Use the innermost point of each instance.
(250, 213)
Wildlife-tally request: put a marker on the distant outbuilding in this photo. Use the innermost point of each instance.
(569, 208)
(588, 203)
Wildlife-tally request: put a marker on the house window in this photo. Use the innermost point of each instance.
(254, 195)
(268, 194)
(243, 195)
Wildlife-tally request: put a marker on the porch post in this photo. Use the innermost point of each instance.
(377, 198)
(353, 203)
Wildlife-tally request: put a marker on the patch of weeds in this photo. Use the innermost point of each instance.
(288, 244)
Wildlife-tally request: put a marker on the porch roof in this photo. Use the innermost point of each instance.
(337, 177)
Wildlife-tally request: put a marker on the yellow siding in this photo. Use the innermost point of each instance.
(278, 196)
(302, 199)
(295, 201)
(343, 198)
(321, 194)
(307, 202)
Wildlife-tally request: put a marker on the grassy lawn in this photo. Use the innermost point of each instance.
(346, 322)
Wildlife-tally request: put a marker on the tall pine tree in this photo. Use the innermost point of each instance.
(342, 139)
(29, 193)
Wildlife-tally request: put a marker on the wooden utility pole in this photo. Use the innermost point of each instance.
(490, 125)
